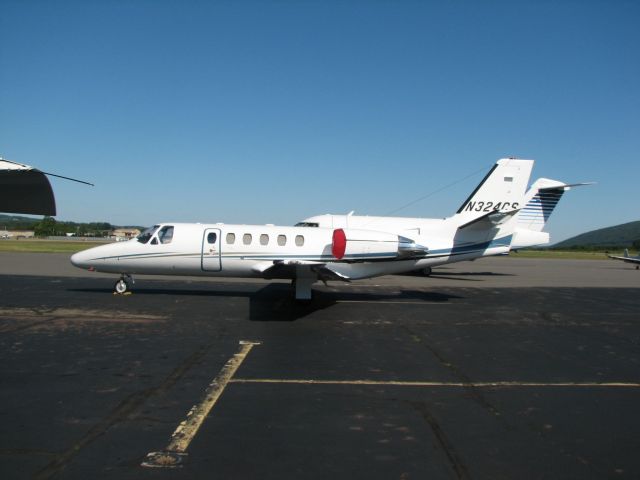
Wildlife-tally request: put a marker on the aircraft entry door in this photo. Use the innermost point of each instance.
(211, 250)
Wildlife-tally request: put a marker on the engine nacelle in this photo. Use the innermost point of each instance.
(366, 245)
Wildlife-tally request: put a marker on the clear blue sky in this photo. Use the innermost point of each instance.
(269, 112)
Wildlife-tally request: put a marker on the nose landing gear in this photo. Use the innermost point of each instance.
(123, 285)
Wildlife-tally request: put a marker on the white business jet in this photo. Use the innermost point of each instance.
(350, 248)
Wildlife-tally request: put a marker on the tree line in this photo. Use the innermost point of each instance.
(50, 227)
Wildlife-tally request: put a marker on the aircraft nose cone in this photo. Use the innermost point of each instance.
(80, 260)
(76, 260)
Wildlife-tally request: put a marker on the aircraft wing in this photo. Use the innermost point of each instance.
(626, 259)
(296, 268)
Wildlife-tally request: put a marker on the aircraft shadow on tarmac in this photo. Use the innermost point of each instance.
(463, 276)
(274, 302)
(468, 276)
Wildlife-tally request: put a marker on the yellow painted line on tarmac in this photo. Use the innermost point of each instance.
(393, 383)
(173, 454)
(393, 302)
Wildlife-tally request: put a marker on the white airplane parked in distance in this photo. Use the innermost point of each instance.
(496, 215)
(627, 258)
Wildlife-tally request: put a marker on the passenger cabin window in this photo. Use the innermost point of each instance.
(231, 238)
(246, 239)
(147, 234)
(299, 240)
(212, 237)
(282, 240)
(264, 239)
(165, 235)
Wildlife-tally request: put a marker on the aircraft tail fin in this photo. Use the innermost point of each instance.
(501, 190)
(626, 253)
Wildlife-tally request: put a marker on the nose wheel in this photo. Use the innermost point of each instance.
(123, 285)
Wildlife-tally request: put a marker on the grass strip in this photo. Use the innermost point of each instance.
(46, 246)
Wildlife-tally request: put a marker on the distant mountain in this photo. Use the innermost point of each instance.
(617, 236)
(18, 218)
(16, 222)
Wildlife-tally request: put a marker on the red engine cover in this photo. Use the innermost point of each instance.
(339, 243)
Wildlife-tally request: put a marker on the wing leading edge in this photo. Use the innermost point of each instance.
(292, 269)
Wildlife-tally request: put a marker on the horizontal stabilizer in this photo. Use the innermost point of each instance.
(490, 220)
(565, 186)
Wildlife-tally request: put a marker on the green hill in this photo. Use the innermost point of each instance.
(16, 222)
(617, 236)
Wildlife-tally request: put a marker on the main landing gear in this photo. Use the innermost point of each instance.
(302, 288)
(123, 285)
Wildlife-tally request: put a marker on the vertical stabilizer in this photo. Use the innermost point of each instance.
(502, 190)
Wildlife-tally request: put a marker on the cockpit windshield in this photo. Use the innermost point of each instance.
(147, 234)
(307, 224)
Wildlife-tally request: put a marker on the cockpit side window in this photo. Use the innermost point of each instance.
(165, 235)
(147, 234)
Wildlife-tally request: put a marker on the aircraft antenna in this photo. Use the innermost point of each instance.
(69, 178)
(434, 192)
(27, 167)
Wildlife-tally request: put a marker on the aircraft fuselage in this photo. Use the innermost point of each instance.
(250, 251)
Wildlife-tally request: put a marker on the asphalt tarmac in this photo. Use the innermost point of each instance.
(499, 368)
